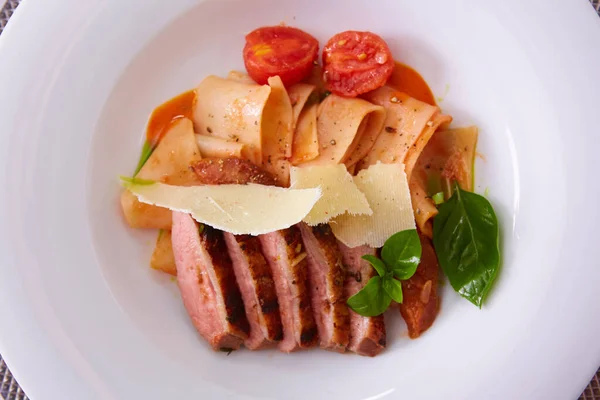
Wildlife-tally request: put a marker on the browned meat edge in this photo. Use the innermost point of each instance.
(224, 279)
(220, 171)
(258, 290)
(367, 334)
(283, 250)
(327, 286)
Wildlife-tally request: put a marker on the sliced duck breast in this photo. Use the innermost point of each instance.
(207, 283)
(286, 255)
(256, 284)
(367, 334)
(326, 277)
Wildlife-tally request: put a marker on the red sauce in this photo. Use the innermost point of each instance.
(404, 79)
(161, 118)
(409, 81)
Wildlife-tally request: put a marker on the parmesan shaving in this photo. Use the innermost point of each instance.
(386, 189)
(340, 194)
(240, 209)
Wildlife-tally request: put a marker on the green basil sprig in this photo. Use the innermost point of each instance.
(147, 150)
(128, 182)
(400, 257)
(465, 237)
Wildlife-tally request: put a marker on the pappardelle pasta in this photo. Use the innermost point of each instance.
(298, 201)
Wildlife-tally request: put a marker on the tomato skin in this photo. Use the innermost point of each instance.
(280, 50)
(356, 63)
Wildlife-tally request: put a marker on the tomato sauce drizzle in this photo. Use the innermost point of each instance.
(180, 106)
(409, 81)
(404, 78)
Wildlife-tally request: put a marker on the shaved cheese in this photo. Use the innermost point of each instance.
(240, 209)
(386, 189)
(339, 193)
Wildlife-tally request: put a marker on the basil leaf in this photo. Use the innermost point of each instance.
(147, 150)
(402, 253)
(465, 237)
(393, 288)
(376, 263)
(371, 300)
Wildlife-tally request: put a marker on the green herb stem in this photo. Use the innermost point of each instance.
(147, 150)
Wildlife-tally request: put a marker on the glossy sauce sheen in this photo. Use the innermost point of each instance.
(409, 81)
(161, 118)
(404, 78)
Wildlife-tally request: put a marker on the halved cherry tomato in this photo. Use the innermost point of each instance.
(280, 50)
(356, 63)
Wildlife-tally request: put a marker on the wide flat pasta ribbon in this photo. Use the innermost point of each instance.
(232, 110)
(448, 156)
(346, 129)
(409, 124)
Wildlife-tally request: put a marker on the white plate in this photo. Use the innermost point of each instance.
(83, 317)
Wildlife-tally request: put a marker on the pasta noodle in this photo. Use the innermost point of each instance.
(211, 146)
(409, 125)
(299, 95)
(276, 131)
(170, 160)
(448, 156)
(346, 129)
(232, 110)
(241, 77)
(306, 140)
(169, 163)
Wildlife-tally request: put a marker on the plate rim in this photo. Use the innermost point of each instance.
(18, 26)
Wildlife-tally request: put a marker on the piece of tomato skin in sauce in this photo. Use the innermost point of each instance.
(280, 50)
(356, 62)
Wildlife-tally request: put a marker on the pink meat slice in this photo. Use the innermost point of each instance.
(367, 334)
(254, 277)
(285, 254)
(326, 277)
(207, 283)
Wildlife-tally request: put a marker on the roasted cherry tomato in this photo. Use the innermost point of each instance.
(356, 63)
(280, 50)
